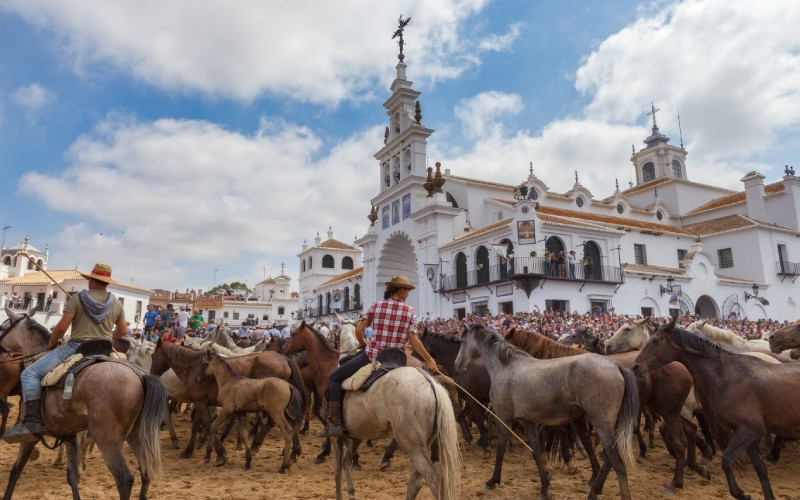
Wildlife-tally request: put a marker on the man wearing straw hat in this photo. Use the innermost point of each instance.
(92, 314)
(393, 322)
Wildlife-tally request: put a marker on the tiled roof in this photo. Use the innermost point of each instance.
(345, 275)
(734, 199)
(479, 232)
(332, 244)
(731, 223)
(653, 270)
(574, 223)
(479, 182)
(649, 185)
(621, 223)
(732, 279)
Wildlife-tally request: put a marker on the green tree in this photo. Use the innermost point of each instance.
(233, 287)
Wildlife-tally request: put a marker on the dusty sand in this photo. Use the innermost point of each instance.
(195, 480)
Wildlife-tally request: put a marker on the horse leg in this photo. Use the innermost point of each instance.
(650, 427)
(502, 437)
(386, 461)
(637, 431)
(352, 446)
(242, 431)
(701, 419)
(338, 460)
(196, 424)
(612, 456)
(676, 436)
(258, 439)
(421, 466)
(586, 440)
(483, 431)
(288, 433)
(59, 461)
(761, 470)
(544, 476)
(690, 431)
(24, 453)
(326, 450)
(73, 465)
(597, 486)
(111, 449)
(775, 452)
(222, 457)
(171, 429)
(742, 438)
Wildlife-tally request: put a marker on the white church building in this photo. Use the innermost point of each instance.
(664, 245)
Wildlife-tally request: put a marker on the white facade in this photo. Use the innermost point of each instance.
(663, 245)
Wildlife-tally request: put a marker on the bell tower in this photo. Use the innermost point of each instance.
(405, 138)
(659, 159)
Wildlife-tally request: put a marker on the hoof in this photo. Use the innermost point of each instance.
(490, 485)
(771, 460)
(385, 465)
(283, 469)
(175, 445)
(319, 460)
(247, 466)
(34, 455)
(571, 470)
(668, 491)
(705, 473)
(356, 467)
(543, 496)
(221, 461)
(187, 455)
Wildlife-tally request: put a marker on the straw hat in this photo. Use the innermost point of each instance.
(101, 272)
(399, 282)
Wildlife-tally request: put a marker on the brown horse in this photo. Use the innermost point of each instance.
(663, 391)
(11, 366)
(744, 398)
(114, 401)
(277, 398)
(784, 338)
(187, 363)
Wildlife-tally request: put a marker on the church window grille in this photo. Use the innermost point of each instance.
(347, 262)
(725, 256)
(648, 172)
(676, 169)
(620, 208)
(579, 201)
(640, 254)
(327, 262)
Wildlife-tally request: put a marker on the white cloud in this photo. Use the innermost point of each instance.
(317, 51)
(192, 192)
(499, 43)
(479, 115)
(733, 68)
(32, 97)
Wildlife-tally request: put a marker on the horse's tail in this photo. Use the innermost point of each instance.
(294, 408)
(627, 418)
(447, 439)
(297, 381)
(154, 408)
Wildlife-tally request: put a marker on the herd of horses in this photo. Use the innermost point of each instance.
(581, 393)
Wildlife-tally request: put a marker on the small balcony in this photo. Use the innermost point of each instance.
(533, 266)
(787, 269)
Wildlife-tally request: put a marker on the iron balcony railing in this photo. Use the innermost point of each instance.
(787, 268)
(531, 265)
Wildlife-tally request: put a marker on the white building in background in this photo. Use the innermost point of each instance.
(23, 288)
(664, 245)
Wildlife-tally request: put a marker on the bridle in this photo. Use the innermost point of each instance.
(19, 319)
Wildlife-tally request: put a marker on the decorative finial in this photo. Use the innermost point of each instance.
(401, 25)
(386, 135)
(653, 111)
(788, 170)
(633, 148)
(429, 184)
(373, 215)
(530, 168)
(616, 183)
(576, 177)
(438, 180)
(656, 190)
(418, 113)
(281, 267)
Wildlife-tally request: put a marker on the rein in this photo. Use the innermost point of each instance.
(20, 319)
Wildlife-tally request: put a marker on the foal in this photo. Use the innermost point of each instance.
(277, 398)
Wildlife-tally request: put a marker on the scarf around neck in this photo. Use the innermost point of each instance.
(94, 309)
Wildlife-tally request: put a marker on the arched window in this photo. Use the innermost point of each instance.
(648, 172)
(303, 265)
(676, 169)
(452, 200)
(327, 261)
(482, 265)
(357, 295)
(346, 306)
(30, 265)
(328, 303)
(461, 270)
(319, 305)
(347, 262)
(40, 263)
(506, 266)
(7, 260)
(310, 262)
(555, 245)
(396, 123)
(595, 271)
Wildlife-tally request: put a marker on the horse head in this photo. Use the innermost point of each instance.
(784, 338)
(20, 332)
(469, 347)
(631, 336)
(659, 350)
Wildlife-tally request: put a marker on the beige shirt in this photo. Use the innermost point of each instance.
(83, 327)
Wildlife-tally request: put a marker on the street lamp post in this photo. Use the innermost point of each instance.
(215, 278)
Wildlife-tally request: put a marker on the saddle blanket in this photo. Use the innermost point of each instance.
(54, 376)
(355, 382)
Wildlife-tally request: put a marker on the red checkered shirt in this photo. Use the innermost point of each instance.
(391, 321)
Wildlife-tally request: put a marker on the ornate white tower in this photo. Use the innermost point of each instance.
(659, 159)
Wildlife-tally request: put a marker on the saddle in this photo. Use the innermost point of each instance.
(387, 360)
(88, 353)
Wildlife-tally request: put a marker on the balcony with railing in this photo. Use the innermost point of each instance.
(786, 269)
(532, 266)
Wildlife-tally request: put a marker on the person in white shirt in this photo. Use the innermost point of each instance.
(182, 323)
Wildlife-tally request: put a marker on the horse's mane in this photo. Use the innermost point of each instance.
(541, 347)
(185, 357)
(321, 339)
(221, 361)
(492, 340)
(716, 334)
(697, 344)
(37, 327)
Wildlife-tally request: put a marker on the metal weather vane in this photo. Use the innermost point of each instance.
(401, 25)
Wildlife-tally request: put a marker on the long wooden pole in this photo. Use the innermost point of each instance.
(56, 283)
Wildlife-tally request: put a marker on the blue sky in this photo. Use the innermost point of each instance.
(170, 140)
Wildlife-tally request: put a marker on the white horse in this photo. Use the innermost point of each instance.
(756, 348)
(222, 337)
(348, 343)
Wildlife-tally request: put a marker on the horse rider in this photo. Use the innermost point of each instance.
(393, 322)
(93, 314)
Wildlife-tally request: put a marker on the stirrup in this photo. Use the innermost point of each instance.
(20, 434)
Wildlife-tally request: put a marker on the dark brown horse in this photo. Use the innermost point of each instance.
(744, 398)
(784, 338)
(664, 391)
(11, 366)
(116, 402)
(187, 364)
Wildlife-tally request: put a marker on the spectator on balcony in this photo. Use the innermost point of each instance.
(546, 262)
(571, 259)
(587, 267)
(562, 264)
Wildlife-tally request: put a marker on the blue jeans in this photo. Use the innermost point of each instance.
(32, 376)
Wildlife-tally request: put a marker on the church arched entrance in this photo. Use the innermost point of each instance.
(591, 250)
(397, 258)
(706, 307)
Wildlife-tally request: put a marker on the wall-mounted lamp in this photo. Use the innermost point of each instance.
(666, 289)
(754, 295)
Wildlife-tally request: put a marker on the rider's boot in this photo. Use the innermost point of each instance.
(32, 424)
(334, 426)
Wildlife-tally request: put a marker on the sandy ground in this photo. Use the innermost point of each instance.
(193, 479)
